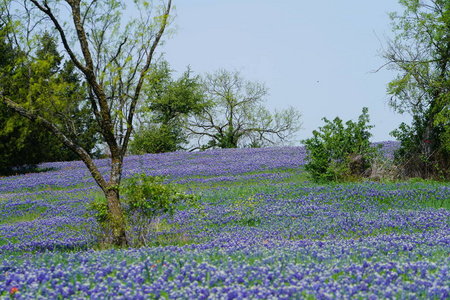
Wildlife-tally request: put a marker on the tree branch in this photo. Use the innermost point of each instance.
(88, 70)
(142, 76)
(46, 10)
(85, 157)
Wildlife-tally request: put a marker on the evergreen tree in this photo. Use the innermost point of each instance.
(41, 81)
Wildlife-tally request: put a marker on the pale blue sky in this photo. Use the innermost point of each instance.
(314, 55)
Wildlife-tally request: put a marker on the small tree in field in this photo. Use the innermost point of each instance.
(337, 152)
(167, 106)
(113, 55)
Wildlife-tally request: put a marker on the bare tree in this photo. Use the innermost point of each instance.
(236, 116)
(114, 58)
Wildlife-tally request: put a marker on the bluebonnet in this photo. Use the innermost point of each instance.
(281, 240)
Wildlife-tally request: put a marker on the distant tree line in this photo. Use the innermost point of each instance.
(219, 110)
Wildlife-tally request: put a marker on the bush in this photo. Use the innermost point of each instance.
(145, 198)
(339, 151)
(423, 150)
(157, 139)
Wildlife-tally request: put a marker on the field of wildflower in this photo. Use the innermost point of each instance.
(264, 232)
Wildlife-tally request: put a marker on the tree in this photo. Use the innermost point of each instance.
(236, 116)
(17, 135)
(166, 108)
(420, 52)
(114, 58)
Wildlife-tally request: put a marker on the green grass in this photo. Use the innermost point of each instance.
(295, 176)
(24, 218)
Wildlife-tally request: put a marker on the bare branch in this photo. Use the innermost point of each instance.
(46, 9)
(142, 76)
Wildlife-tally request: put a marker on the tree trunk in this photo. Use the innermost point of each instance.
(113, 198)
(117, 218)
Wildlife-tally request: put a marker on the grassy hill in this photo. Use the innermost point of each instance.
(264, 232)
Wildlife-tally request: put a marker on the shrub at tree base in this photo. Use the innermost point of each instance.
(340, 151)
(146, 198)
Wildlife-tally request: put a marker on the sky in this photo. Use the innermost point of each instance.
(317, 56)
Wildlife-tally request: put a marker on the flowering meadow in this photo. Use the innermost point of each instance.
(263, 231)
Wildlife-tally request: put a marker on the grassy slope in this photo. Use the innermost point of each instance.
(273, 227)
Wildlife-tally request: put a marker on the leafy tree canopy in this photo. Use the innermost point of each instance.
(165, 111)
(420, 53)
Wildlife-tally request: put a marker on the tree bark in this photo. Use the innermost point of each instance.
(113, 200)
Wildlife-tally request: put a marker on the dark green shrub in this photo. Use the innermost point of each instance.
(339, 151)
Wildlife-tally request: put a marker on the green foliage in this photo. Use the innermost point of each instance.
(170, 99)
(55, 91)
(420, 156)
(333, 145)
(155, 139)
(168, 104)
(224, 140)
(151, 196)
(99, 208)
